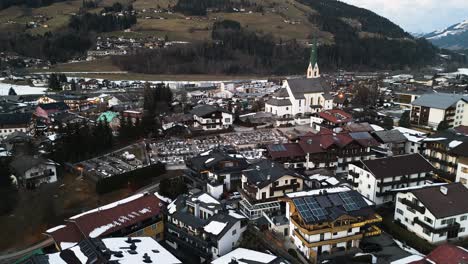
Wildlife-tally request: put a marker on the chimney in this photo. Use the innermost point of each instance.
(443, 190)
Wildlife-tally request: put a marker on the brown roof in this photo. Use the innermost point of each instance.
(398, 165)
(440, 205)
(108, 219)
(461, 150)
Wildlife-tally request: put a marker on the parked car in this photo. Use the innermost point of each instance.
(235, 195)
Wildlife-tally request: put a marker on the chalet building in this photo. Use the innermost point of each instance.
(218, 166)
(306, 95)
(431, 109)
(112, 118)
(415, 140)
(14, 122)
(330, 119)
(199, 227)
(77, 102)
(44, 110)
(133, 115)
(375, 179)
(211, 118)
(392, 142)
(262, 184)
(405, 97)
(32, 171)
(138, 215)
(435, 213)
(443, 150)
(462, 170)
(326, 149)
(328, 220)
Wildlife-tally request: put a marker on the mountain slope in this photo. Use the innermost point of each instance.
(454, 37)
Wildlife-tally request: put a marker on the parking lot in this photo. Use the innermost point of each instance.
(250, 144)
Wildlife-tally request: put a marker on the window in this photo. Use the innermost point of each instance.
(368, 186)
(336, 233)
(442, 234)
(463, 218)
(398, 210)
(285, 181)
(461, 230)
(153, 226)
(428, 220)
(426, 231)
(234, 232)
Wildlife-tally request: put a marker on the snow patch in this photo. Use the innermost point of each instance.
(408, 249)
(163, 198)
(317, 191)
(111, 205)
(172, 207)
(206, 198)
(407, 260)
(454, 143)
(53, 229)
(65, 245)
(215, 227)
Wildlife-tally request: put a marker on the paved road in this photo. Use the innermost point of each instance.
(390, 250)
(7, 258)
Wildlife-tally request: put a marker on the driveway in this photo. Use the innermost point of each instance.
(390, 250)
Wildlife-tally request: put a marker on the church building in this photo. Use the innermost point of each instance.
(302, 95)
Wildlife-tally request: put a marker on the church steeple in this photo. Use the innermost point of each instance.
(313, 69)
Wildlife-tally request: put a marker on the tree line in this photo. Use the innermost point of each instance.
(199, 7)
(27, 3)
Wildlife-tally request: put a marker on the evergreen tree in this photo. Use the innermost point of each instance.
(405, 119)
(387, 122)
(12, 91)
(54, 83)
(443, 125)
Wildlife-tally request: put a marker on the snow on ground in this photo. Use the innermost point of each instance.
(408, 249)
(407, 260)
(109, 206)
(241, 254)
(209, 160)
(20, 89)
(435, 139)
(463, 71)
(215, 227)
(53, 229)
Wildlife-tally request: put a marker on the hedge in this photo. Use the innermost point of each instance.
(136, 178)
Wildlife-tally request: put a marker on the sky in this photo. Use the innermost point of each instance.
(418, 16)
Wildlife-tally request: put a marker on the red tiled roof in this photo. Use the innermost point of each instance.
(69, 233)
(111, 218)
(290, 150)
(447, 254)
(336, 116)
(118, 217)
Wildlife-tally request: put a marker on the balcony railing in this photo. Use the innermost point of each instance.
(413, 205)
(292, 186)
(448, 228)
(328, 241)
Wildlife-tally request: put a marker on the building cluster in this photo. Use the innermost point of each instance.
(110, 46)
(308, 172)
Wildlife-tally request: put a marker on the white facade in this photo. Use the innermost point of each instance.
(369, 186)
(211, 124)
(406, 216)
(44, 173)
(462, 171)
(461, 115)
(229, 241)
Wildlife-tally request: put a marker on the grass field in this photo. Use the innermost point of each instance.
(176, 29)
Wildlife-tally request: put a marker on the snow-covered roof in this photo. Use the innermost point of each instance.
(407, 260)
(147, 245)
(418, 187)
(215, 227)
(163, 198)
(318, 191)
(454, 143)
(244, 256)
(405, 130)
(172, 207)
(376, 127)
(50, 230)
(236, 215)
(109, 206)
(206, 198)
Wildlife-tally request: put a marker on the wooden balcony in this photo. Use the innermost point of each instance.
(328, 241)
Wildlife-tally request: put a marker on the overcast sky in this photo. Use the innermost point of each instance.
(418, 15)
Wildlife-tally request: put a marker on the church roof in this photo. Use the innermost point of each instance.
(299, 87)
(281, 93)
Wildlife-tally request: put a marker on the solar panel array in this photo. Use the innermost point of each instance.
(322, 207)
(278, 147)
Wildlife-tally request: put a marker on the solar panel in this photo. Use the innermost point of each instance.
(278, 148)
(304, 210)
(335, 199)
(323, 201)
(358, 199)
(349, 203)
(315, 208)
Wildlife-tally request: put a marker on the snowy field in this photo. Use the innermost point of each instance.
(20, 89)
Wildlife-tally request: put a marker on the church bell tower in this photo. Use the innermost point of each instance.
(313, 69)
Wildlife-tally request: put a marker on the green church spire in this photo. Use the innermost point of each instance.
(313, 52)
